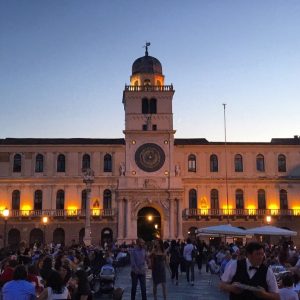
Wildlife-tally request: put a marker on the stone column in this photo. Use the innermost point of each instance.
(120, 219)
(179, 218)
(171, 218)
(128, 219)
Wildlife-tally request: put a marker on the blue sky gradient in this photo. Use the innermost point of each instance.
(64, 64)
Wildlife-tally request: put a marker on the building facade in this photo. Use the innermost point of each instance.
(176, 185)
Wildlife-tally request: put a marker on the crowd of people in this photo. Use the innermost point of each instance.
(53, 271)
(249, 272)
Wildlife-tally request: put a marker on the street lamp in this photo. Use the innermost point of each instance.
(5, 215)
(150, 218)
(45, 221)
(88, 179)
(268, 219)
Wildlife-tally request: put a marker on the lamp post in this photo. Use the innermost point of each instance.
(5, 215)
(226, 174)
(45, 221)
(88, 179)
(268, 219)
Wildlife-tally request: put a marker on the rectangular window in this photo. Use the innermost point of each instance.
(145, 127)
(154, 127)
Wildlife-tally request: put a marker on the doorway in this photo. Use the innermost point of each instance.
(148, 224)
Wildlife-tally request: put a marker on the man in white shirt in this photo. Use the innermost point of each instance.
(189, 262)
(250, 272)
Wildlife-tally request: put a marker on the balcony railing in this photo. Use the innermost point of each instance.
(111, 212)
(149, 88)
(196, 212)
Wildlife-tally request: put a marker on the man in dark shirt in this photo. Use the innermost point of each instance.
(250, 272)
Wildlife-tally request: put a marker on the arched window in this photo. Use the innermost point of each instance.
(38, 200)
(17, 163)
(192, 198)
(260, 163)
(60, 199)
(158, 83)
(107, 163)
(281, 163)
(153, 102)
(192, 163)
(214, 163)
(59, 236)
(86, 162)
(261, 199)
(214, 199)
(145, 106)
(83, 199)
(39, 163)
(15, 200)
(107, 199)
(61, 163)
(238, 163)
(239, 199)
(147, 82)
(283, 198)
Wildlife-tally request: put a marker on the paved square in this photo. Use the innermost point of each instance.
(206, 287)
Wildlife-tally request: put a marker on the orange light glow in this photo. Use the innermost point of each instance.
(274, 209)
(72, 211)
(25, 210)
(251, 209)
(96, 212)
(227, 210)
(296, 210)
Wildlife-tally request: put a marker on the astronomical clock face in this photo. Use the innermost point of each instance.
(150, 157)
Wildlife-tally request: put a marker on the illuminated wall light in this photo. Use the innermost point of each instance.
(96, 212)
(296, 210)
(166, 142)
(274, 209)
(227, 210)
(133, 142)
(25, 210)
(166, 173)
(133, 172)
(72, 211)
(251, 209)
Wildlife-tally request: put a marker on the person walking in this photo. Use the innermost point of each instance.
(174, 258)
(188, 255)
(138, 259)
(241, 276)
(158, 265)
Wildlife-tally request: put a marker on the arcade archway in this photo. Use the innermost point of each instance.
(14, 238)
(106, 236)
(148, 224)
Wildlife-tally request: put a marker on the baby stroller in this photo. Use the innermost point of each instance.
(107, 279)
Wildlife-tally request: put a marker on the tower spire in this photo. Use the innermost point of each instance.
(146, 47)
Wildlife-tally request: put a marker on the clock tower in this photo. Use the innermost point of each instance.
(148, 176)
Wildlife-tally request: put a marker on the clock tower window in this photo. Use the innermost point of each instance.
(149, 106)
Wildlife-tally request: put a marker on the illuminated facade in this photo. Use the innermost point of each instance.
(184, 180)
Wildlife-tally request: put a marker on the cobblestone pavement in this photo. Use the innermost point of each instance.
(205, 288)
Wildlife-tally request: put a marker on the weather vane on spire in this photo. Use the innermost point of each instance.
(146, 46)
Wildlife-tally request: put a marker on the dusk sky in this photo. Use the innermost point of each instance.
(64, 64)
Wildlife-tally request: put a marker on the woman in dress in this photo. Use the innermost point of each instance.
(158, 264)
